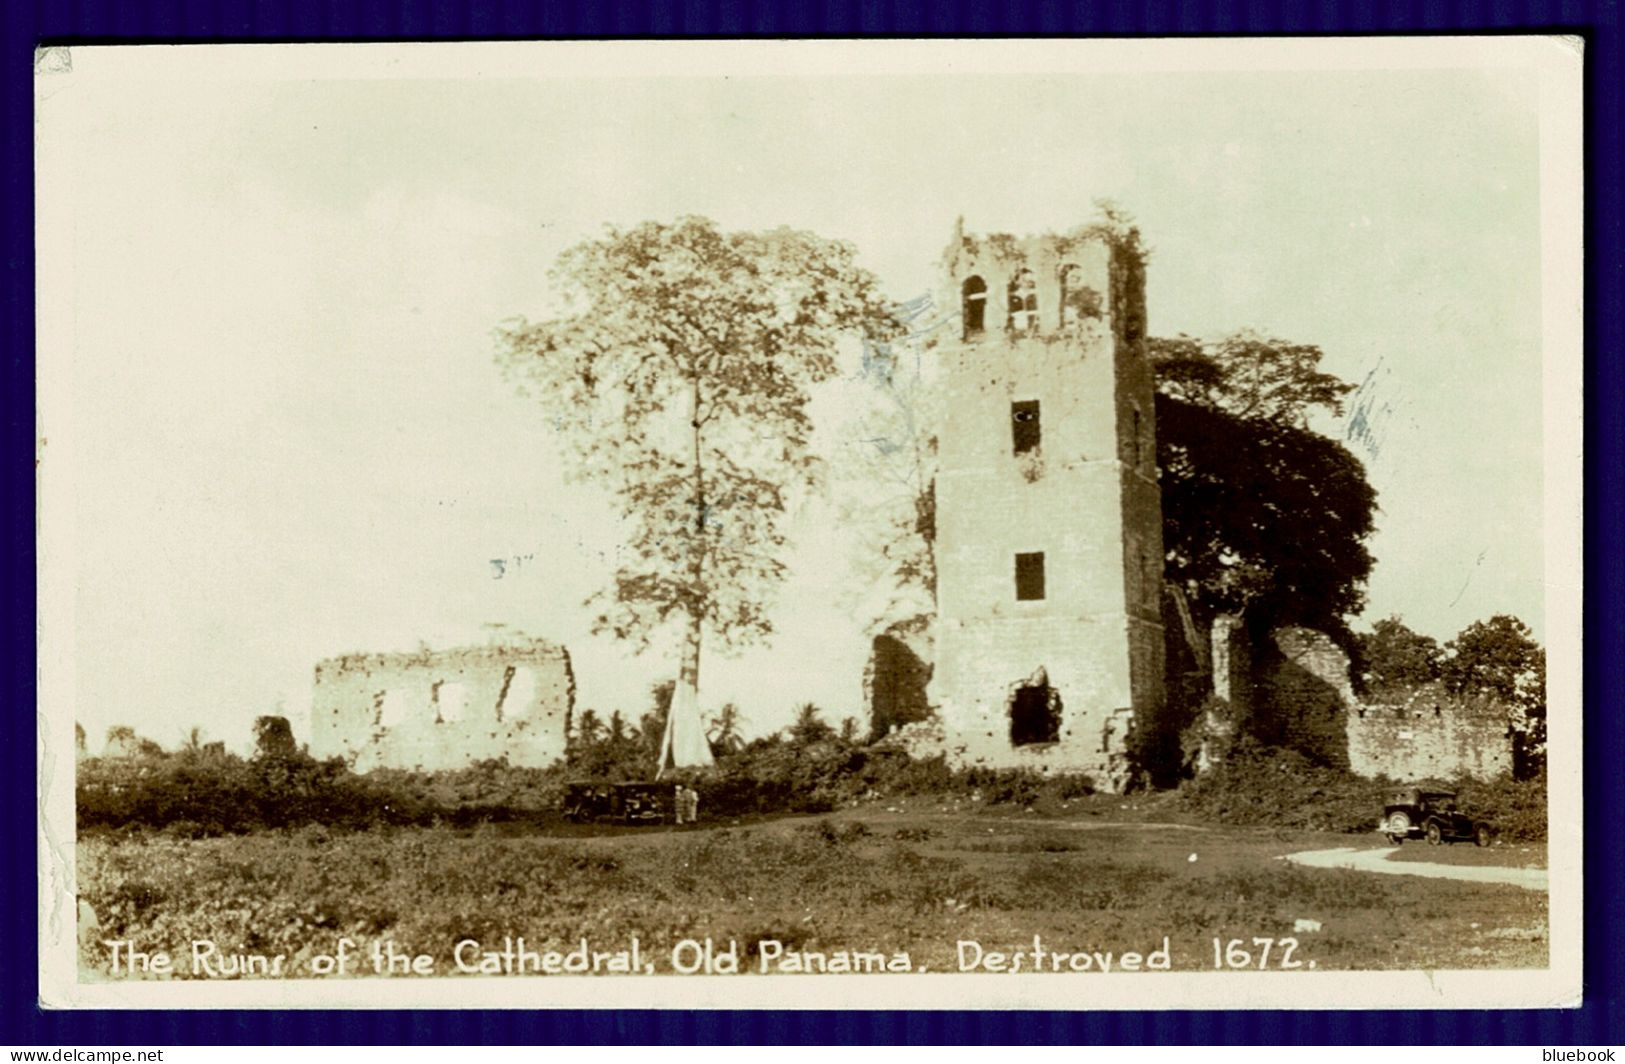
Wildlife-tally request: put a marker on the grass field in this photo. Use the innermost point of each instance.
(915, 877)
(1506, 854)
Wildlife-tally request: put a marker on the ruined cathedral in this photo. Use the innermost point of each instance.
(1046, 650)
(1049, 639)
(1048, 636)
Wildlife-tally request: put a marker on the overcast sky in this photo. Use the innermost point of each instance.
(288, 437)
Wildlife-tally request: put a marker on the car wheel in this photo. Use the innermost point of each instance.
(1435, 836)
(1395, 840)
(1399, 826)
(1482, 835)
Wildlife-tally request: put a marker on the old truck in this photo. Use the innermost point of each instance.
(629, 803)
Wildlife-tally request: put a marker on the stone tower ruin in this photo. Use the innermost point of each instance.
(1049, 523)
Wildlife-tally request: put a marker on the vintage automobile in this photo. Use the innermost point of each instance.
(631, 803)
(1421, 813)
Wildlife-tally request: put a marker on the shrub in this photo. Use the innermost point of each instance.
(204, 791)
(1266, 785)
(1515, 809)
(785, 776)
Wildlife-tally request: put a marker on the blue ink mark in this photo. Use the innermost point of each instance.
(1369, 418)
(1469, 579)
(500, 566)
(884, 444)
(878, 360)
(907, 312)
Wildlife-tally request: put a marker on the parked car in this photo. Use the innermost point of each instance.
(1418, 813)
(632, 803)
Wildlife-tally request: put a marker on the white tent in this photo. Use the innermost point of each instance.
(683, 745)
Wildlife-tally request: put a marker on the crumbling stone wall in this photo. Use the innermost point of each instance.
(1303, 700)
(897, 677)
(1431, 734)
(445, 709)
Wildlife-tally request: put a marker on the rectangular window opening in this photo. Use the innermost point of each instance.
(389, 708)
(449, 701)
(1024, 426)
(1029, 576)
(518, 693)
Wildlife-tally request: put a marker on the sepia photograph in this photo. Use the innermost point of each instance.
(883, 524)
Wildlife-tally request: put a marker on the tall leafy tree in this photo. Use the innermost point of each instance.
(1249, 375)
(809, 727)
(679, 378)
(589, 729)
(1501, 657)
(1394, 657)
(1261, 515)
(273, 737)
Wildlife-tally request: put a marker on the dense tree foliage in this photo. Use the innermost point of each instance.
(1393, 657)
(1261, 516)
(1249, 375)
(725, 730)
(809, 727)
(1500, 656)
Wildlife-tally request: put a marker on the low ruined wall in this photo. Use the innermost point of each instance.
(1303, 701)
(1430, 734)
(444, 709)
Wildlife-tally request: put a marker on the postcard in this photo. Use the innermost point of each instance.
(1051, 524)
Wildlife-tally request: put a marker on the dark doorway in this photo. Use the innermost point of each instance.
(1035, 715)
(897, 680)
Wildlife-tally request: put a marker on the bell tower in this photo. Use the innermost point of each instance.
(1049, 520)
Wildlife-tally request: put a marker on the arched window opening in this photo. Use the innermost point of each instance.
(1035, 712)
(1078, 300)
(1023, 304)
(974, 306)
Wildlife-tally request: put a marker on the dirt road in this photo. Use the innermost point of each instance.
(1377, 861)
